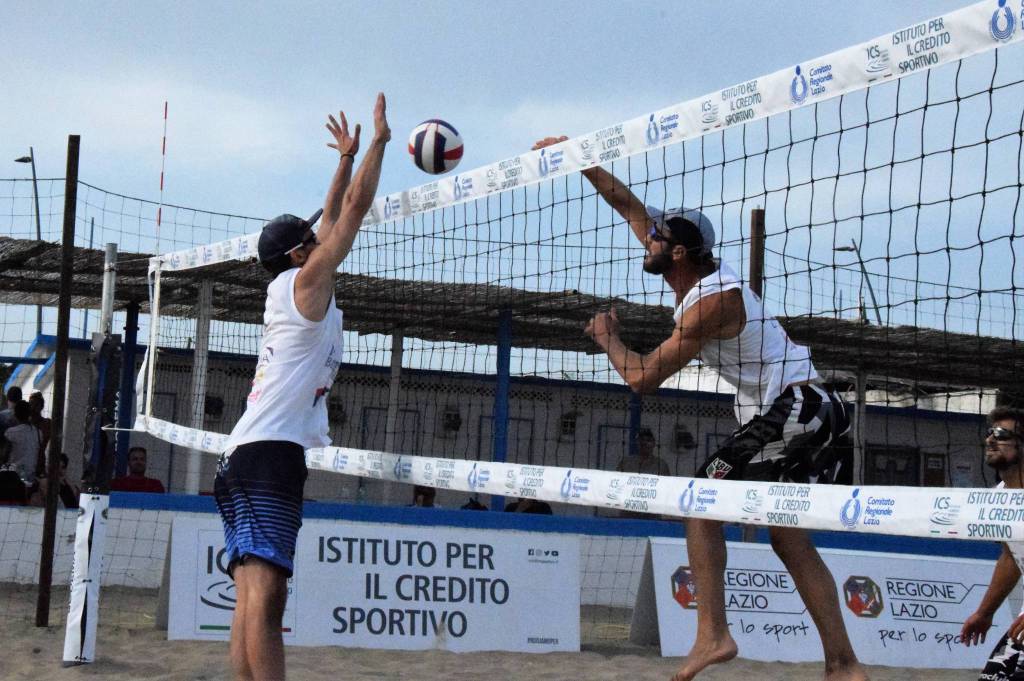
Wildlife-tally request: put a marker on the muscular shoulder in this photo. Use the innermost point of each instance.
(718, 315)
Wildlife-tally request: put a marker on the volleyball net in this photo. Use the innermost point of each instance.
(872, 195)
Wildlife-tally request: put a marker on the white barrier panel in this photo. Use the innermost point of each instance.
(900, 610)
(84, 597)
(395, 587)
(977, 28)
(962, 513)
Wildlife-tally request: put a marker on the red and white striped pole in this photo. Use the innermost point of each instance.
(163, 164)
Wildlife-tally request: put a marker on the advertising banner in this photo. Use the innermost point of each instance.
(900, 610)
(395, 586)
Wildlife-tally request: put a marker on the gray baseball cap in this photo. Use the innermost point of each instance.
(670, 228)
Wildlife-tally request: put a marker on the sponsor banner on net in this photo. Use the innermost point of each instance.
(395, 587)
(977, 514)
(900, 610)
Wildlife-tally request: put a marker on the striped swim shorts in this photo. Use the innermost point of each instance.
(802, 438)
(258, 490)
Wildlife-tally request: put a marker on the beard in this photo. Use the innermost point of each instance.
(1000, 463)
(658, 263)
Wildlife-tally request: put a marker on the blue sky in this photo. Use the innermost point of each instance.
(250, 84)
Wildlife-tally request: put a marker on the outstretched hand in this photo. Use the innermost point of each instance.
(547, 142)
(380, 120)
(343, 142)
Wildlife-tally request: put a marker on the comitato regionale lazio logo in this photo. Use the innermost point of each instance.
(684, 589)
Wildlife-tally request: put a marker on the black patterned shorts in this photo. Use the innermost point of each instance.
(802, 438)
(1006, 663)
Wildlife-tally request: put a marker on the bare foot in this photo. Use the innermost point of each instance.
(704, 655)
(847, 672)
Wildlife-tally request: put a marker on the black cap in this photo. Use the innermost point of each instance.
(645, 432)
(284, 233)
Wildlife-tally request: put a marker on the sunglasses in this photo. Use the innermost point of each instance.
(308, 241)
(656, 235)
(1001, 434)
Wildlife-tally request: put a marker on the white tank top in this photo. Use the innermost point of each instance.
(1016, 549)
(297, 363)
(761, 361)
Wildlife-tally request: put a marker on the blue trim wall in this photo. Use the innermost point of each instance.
(603, 527)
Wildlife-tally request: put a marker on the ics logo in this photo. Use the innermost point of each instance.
(863, 597)
(878, 59)
(684, 590)
(753, 501)
(798, 87)
(708, 112)
(850, 513)
(1003, 23)
(686, 498)
(542, 163)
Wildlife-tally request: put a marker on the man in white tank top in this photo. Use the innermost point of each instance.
(261, 475)
(1004, 451)
(788, 422)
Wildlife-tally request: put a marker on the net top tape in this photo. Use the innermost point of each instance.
(931, 512)
(925, 45)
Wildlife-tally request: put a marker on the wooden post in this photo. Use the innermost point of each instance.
(60, 378)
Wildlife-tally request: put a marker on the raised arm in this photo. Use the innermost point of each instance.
(716, 316)
(615, 193)
(314, 285)
(347, 147)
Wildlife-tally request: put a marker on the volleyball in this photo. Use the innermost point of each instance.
(435, 146)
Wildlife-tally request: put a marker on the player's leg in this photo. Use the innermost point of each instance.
(240, 667)
(264, 589)
(705, 545)
(817, 588)
(817, 420)
(259, 491)
(226, 505)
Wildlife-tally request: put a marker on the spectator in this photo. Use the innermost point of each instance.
(524, 505)
(645, 461)
(67, 493)
(473, 505)
(36, 402)
(22, 445)
(423, 496)
(7, 414)
(136, 480)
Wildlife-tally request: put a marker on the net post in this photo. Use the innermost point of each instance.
(60, 372)
(756, 283)
(126, 391)
(394, 393)
(200, 363)
(502, 386)
(107, 296)
(636, 411)
(757, 251)
(154, 327)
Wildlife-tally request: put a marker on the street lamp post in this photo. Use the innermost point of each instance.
(31, 159)
(860, 406)
(864, 272)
